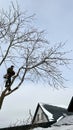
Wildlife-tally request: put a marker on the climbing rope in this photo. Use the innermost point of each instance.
(3, 57)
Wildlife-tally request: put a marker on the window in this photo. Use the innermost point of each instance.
(37, 117)
(42, 116)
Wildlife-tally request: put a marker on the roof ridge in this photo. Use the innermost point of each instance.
(59, 106)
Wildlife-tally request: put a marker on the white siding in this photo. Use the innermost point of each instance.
(40, 116)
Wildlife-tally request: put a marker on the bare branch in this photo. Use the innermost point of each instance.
(27, 48)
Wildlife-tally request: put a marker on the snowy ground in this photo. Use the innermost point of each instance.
(63, 127)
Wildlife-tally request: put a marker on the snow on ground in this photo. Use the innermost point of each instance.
(63, 127)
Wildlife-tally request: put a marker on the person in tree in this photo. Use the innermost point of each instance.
(8, 76)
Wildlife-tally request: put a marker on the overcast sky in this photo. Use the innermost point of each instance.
(56, 17)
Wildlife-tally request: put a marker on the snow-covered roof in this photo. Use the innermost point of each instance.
(54, 112)
(66, 120)
(49, 115)
(63, 116)
(64, 124)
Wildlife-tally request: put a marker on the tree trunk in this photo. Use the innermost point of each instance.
(5, 93)
(1, 99)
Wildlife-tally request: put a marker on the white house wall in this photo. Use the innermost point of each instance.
(41, 120)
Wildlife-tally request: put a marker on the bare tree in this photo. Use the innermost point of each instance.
(18, 122)
(27, 48)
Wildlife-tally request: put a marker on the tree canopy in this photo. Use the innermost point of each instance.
(27, 48)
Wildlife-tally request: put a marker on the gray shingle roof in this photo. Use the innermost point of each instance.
(56, 111)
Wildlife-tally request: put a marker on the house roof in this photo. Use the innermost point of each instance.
(47, 113)
(64, 124)
(70, 107)
(52, 112)
(66, 120)
(56, 111)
